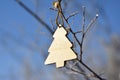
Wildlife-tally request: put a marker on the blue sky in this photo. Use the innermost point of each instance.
(113, 11)
(12, 16)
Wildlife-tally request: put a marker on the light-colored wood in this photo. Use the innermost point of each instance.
(60, 49)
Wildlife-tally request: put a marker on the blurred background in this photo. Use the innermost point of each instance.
(24, 41)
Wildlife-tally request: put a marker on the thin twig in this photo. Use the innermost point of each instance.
(83, 34)
(83, 25)
(91, 23)
(78, 32)
(53, 9)
(71, 15)
(35, 16)
(74, 70)
(74, 35)
(53, 27)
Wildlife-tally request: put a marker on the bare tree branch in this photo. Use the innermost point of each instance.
(35, 16)
(60, 12)
(62, 17)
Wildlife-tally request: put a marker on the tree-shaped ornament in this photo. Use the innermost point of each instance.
(60, 49)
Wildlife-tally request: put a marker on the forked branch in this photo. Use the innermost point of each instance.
(82, 39)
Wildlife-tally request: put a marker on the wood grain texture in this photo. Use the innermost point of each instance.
(60, 49)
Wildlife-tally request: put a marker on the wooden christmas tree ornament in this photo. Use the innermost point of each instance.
(60, 49)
